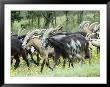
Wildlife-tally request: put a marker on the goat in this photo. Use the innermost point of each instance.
(17, 51)
(94, 39)
(15, 47)
(93, 31)
(37, 43)
(69, 33)
(96, 43)
(70, 46)
(85, 26)
(61, 35)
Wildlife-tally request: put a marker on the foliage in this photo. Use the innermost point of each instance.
(70, 20)
(45, 19)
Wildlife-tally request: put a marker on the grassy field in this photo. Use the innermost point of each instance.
(70, 22)
(79, 70)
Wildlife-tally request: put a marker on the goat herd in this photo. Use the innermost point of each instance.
(54, 43)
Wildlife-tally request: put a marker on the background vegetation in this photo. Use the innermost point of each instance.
(45, 19)
(70, 20)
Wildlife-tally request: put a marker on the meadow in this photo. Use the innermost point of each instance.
(79, 70)
(70, 20)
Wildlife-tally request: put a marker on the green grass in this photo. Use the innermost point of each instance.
(79, 70)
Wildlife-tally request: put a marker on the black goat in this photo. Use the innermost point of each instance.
(69, 46)
(64, 34)
(17, 51)
(69, 33)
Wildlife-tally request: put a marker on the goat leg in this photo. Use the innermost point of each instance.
(26, 61)
(48, 65)
(42, 65)
(34, 60)
(64, 62)
(38, 59)
(71, 62)
(25, 58)
(98, 50)
(17, 61)
(57, 56)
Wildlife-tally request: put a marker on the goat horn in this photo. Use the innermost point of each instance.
(82, 24)
(86, 28)
(32, 32)
(48, 31)
(58, 27)
(92, 25)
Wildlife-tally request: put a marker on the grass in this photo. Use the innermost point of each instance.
(79, 70)
(85, 70)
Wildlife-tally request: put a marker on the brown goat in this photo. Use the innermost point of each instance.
(37, 44)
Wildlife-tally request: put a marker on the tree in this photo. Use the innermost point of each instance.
(15, 16)
(48, 17)
(80, 17)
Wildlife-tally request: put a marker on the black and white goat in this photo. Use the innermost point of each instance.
(17, 51)
(93, 33)
(94, 39)
(70, 47)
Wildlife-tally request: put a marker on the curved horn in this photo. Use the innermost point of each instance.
(59, 27)
(82, 24)
(86, 28)
(29, 35)
(93, 25)
(48, 31)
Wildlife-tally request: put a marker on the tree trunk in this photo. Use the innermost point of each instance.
(32, 23)
(80, 17)
(94, 16)
(67, 19)
(55, 17)
(38, 22)
(47, 19)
